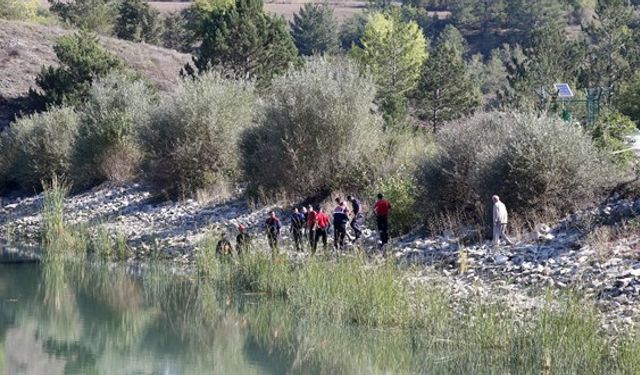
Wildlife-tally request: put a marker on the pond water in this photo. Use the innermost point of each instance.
(98, 319)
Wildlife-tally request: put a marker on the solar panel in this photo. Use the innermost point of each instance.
(563, 89)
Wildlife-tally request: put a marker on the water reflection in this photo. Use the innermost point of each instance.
(93, 319)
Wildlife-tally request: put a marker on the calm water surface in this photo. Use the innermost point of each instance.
(98, 319)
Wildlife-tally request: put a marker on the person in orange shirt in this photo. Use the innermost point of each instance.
(382, 209)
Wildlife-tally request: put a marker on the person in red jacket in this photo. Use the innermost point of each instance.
(322, 224)
(382, 208)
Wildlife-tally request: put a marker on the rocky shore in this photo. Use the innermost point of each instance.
(579, 253)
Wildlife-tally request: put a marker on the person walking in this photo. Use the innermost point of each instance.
(243, 240)
(340, 220)
(297, 224)
(322, 224)
(311, 227)
(381, 209)
(355, 218)
(500, 220)
(273, 230)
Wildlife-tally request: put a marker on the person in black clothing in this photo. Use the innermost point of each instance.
(297, 224)
(273, 230)
(355, 211)
(243, 240)
(340, 220)
(224, 246)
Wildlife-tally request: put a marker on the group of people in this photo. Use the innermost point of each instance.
(311, 226)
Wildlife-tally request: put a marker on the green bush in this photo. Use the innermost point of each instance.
(117, 107)
(178, 30)
(82, 60)
(192, 137)
(38, 147)
(401, 190)
(95, 15)
(538, 165)
(318, 132)
(610, 134)
(628, 100)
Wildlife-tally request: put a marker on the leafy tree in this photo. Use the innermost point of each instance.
(610, 134)
(447, 90)
(314, 29)
(607, 60)
(137, 22)
(393, 52)
(82, 60)
(95, 15)
(244, 40)
(527, 17)
(352, 30)
(489, 76)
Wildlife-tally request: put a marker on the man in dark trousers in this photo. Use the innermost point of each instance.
(243, 240)
(355, 212)
(297, 224)
(340, 220)
(273, 231)
(311, 227)
(322, 224)
(382, 209)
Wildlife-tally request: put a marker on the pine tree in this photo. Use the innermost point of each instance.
(446, 90)
(393, 52)
(137, 22)
(608, 57)
(314, 29)
(244, 40)
(82, 60)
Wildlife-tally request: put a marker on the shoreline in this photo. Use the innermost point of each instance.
(563, 261)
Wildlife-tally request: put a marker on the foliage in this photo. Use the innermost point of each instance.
(82, 60)
(446, 90)
(393, 52)
(401, 190)
(318, 132)
(177, 30)
(485, 16)
(538, 166)
(192, 137)
(244, 40)
(137, 22)
(19, 9)
(610, 134)
(352, 30)
(95, 15)
(38, 147)
(116, 109)
(315, 30)
(489, 76)
(607, 59)
(628, 100)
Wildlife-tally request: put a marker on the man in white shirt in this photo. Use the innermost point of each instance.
(500, 219)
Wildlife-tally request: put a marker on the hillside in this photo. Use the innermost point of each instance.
(25, 48)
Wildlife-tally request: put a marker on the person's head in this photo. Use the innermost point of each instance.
(338, 200)
(343, 204)
(495, 199)
(272, 214)
(241, 228)
(295, 210)
(310, 208)
(304, 210)
(321, 209)
(349, 197)
(380, 196)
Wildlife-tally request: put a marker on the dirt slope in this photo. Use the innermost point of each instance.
(25, 48)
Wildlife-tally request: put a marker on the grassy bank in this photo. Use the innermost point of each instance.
(562, 335)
